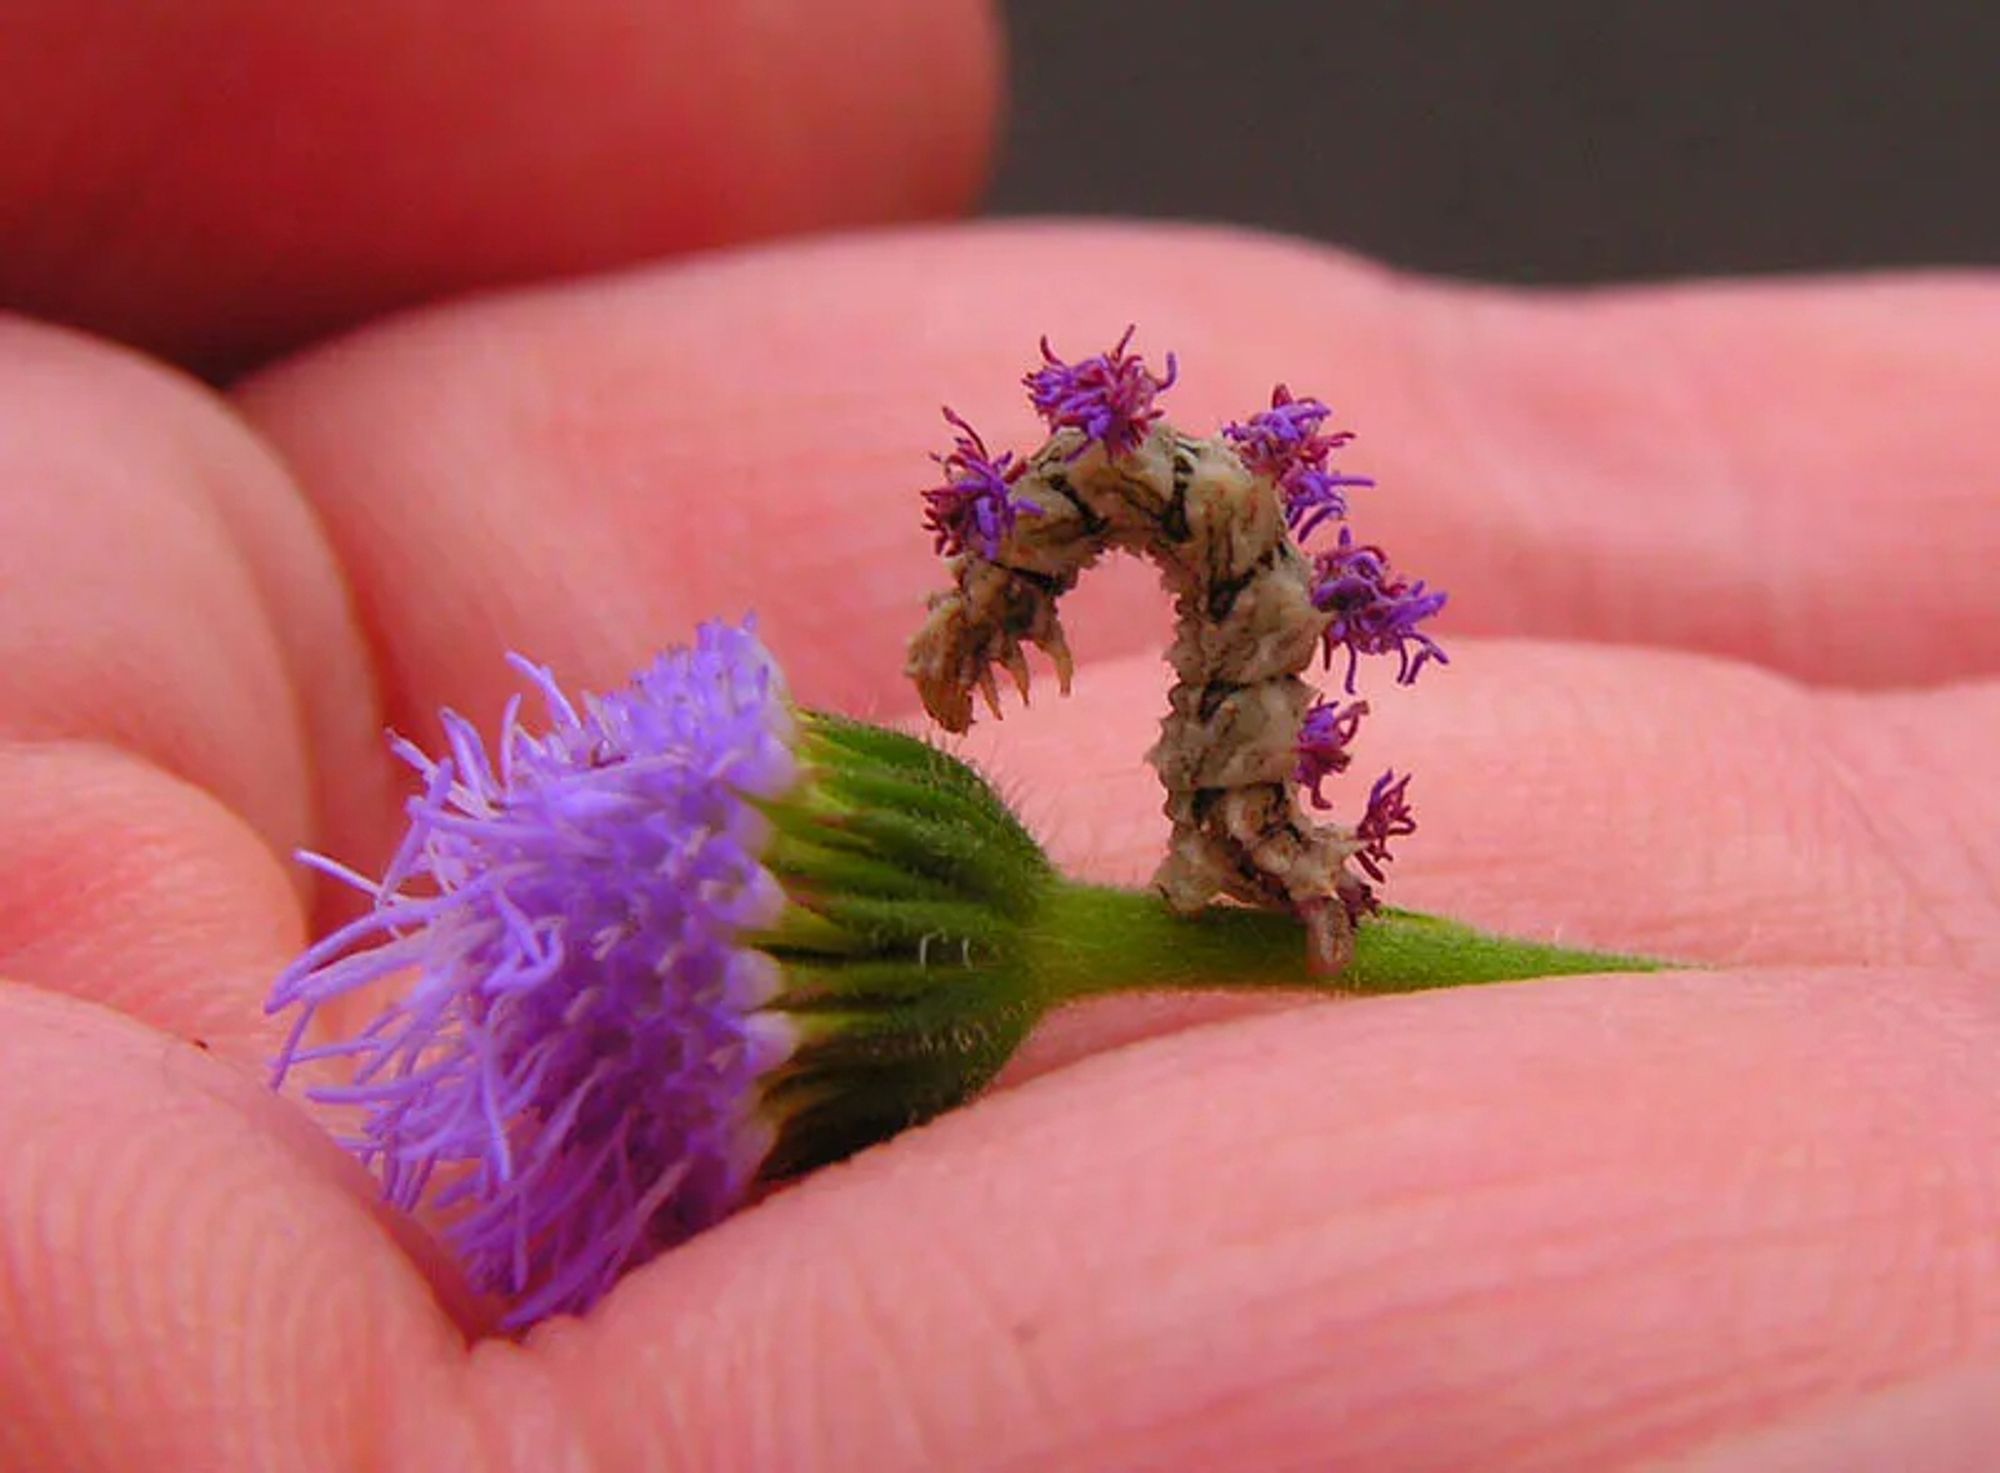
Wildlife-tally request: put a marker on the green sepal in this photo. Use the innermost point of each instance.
(903, 946)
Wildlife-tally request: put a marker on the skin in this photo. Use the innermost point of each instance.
(1725, 640)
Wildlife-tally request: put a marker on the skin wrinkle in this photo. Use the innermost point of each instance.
(1784, 698)
(137, 889)
(919, 1434)
(1693, 1395)
(1954, 1416)
(691, 1360)
(866, 1333)
(1983, 859)
(1696, 1399)
(1821, 827)
(1876, 838)
(1644, 1428)
(1020, 1394)
(1556, 1258)
(1854, 735)
(1815, 1385)
(1762, 524)
(90, 1219)
(573, 1397)
(39, 1380)
(508, 1409)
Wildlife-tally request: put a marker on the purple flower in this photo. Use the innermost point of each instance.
(1375, 611)
(1284, 443)
(1323, 740)
(1273, 441)
(1388, 817)
(1314, 496)
(1109, 397)
(975, 507)
(571, 1074)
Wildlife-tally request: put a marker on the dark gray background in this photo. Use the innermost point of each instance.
(1526, 141)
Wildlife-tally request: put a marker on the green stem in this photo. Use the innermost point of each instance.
(1091, 939)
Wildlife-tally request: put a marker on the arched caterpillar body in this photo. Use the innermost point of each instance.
(1246, 628)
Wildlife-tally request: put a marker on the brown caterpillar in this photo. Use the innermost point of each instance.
(1246, 628)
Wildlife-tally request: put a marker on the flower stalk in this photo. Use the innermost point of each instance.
(1097, 940)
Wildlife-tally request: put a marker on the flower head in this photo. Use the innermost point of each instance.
(975, 507)
(1108, 397)
(1375, 610)
(1284, 443)
(577, 1055)
(677, 943)
(1388, 817)
(1324, 737)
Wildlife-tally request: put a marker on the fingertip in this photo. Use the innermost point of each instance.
(193, 1275)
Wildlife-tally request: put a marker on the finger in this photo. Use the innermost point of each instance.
(1633, 800)
(216, 181)
(170, 595)
(132, 889)
(1561, 1225)
(191, 1275)
(586, 472)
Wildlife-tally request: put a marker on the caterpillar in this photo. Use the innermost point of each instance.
(1251, 610)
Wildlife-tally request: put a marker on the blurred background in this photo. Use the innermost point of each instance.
(1534, 141)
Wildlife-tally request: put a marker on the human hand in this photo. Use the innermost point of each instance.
(1742, 1217)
